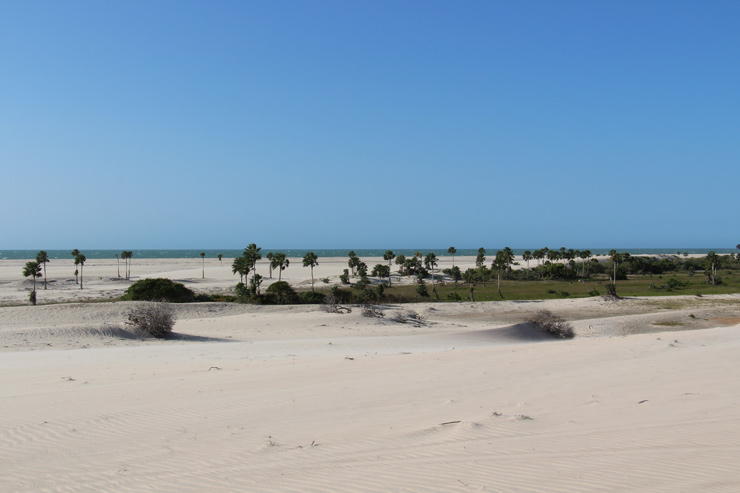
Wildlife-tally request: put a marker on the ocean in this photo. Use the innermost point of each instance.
(293, 253)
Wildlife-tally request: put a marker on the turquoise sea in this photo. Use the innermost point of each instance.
(360, 252)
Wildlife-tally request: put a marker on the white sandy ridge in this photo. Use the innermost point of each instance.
(249, 398)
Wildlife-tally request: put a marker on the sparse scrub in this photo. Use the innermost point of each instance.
(332, 304)
(409, 317)
(156, 319)
(552, 324)
(372, 311)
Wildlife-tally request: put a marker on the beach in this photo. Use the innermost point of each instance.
(292, 398)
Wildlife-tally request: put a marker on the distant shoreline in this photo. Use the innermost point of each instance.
(336, 252)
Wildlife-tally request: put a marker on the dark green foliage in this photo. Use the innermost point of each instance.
(421, 290)
(283, 293)
(158, 290)
(611, 289)
(32, 297)
(242, 293)
(453, 297)
(345, 277)
(381, 270)
(594, 292)
(312, 298)
(340, 295)
(215, 298)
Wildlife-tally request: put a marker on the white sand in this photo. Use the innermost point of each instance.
(250, 398)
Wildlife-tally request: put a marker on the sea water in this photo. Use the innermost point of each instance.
(337, 252)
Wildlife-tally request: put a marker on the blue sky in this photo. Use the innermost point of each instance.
(376, 124)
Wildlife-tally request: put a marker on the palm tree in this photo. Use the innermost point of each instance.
(118, 263)
(389, 256)
(713, 260)
(469, 276)
(80, 260)
(269, 264)
(280, 261)
(354, 262)
(585, 255)
(452, 251)
(203, 256)
(431, 262)
(32, 269)
(310, 260)
(504, 259)
(127, 255)
(240, 266)
(74, 254)
(252, 254)
(481, 258)
(220, 259)
(616, 258)
(527, 256)
(42, 258)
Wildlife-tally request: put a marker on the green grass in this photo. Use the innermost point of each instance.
(546, 289)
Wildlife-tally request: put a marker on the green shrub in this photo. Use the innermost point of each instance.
(283, 293)
(158, 290)
(311, 298)
(453, 297)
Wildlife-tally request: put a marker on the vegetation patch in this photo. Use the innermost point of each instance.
(668, 323)
(158, 290)
(156, 319)
(551, 324)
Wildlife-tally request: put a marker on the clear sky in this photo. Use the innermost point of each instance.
(369, 124)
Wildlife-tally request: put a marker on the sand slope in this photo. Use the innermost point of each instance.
(255, 398)
(288, 399)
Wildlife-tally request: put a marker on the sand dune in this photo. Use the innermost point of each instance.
(257, 398)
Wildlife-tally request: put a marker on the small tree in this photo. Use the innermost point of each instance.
(712, 261)
(74, 254)
(527, 256)
(452, 251)
(118, 263)
(42, 258)
(481, 258)
(310, 260)
(381, 271)
(80, 260)
(389, 256)
(240, 265)
(220, 258)
(431, 262)
(252, 254)
(400, 262)
(33, 270)
(421, 290)
(203, 257)
(281, 262)
(269, 262)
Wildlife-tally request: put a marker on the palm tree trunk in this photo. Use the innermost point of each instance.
(44, 275)
(81, 265)
(312, 278)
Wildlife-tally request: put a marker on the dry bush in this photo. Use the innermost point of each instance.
(372, 311)
(155, 318)
(331, 305)
(409, 317)
(552, 324)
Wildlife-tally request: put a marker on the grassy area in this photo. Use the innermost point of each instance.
(539, 290)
